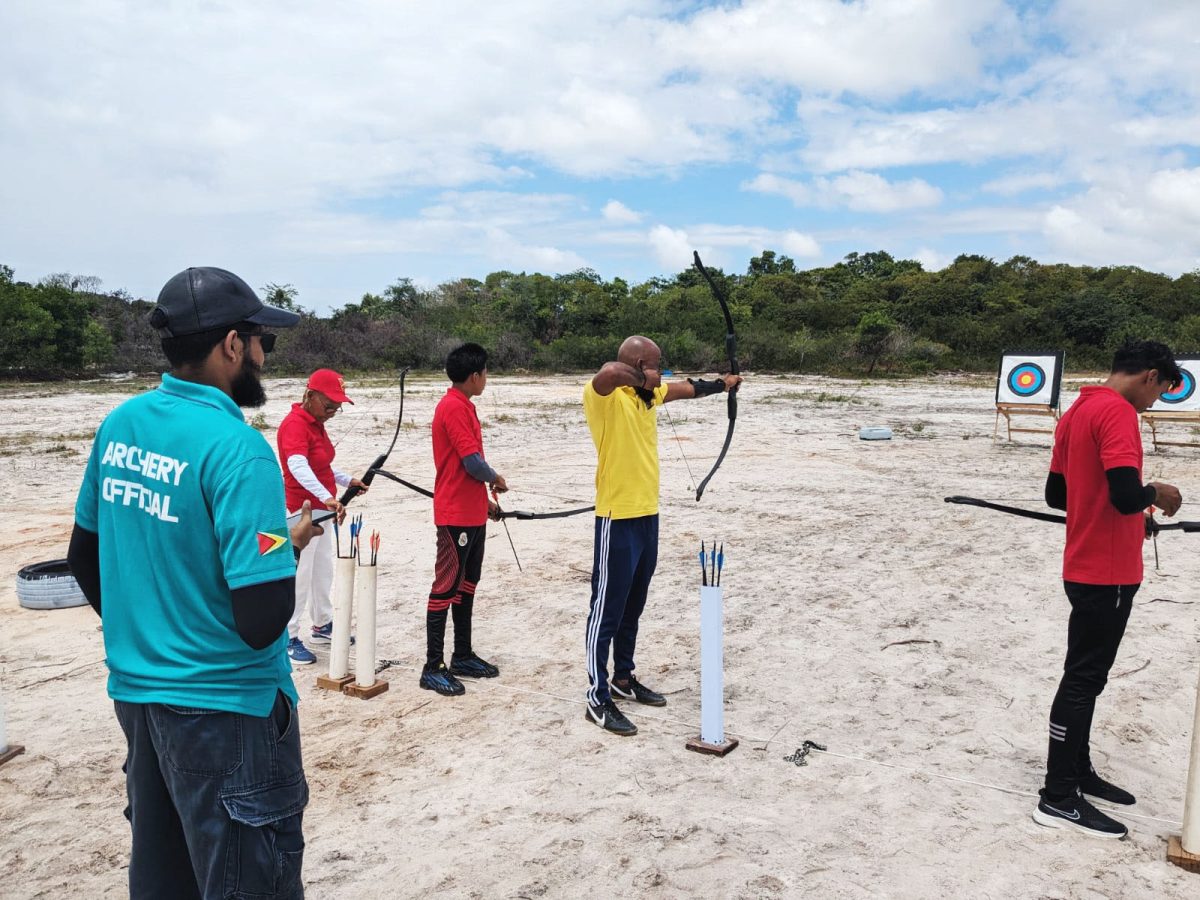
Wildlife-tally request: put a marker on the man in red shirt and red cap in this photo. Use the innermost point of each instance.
(308, 474)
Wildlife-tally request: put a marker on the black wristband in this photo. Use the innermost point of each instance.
(706, 388)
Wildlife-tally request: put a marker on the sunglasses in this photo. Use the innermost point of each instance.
(266, 338)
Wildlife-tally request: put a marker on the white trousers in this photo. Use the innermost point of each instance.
(314, 580)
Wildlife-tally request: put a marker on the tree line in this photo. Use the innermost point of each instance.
(867, 314)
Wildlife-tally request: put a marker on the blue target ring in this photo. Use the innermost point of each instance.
(1186, 388)
(1026, 379)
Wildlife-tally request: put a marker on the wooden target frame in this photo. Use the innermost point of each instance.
(1028, 383)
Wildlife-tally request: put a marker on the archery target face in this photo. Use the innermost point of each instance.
(1184, 398)
(1029, 378)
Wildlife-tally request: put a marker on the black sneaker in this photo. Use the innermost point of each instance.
(439, 679)
(472, 667)
(1075, 812)
(635, 690)
(608, 717)
(1097, 788)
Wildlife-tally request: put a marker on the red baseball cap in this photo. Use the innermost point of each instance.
(329, 383)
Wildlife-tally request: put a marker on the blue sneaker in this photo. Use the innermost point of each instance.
(299, 654)
(324, 634)
(439, 679)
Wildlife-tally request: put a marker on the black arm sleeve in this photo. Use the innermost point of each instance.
(1056, 491)
(707, 388)
(83, 558)
(1126, 492)
(261, 611)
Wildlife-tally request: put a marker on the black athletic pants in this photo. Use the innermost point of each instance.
(1098, 616)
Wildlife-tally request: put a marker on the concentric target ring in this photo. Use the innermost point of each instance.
(1026, 379)
(1186, 388)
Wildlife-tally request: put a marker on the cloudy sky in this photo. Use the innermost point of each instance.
(339, 146)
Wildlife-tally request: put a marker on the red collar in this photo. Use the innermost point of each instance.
(298, 409)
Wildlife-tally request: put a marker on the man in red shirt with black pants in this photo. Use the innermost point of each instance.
(460, 511)
(1096, 476)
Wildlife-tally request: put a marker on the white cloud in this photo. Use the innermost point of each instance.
(931, 260)
(1149, 218)
(672, 247)
(1176, 193)
(618, 213)
(139, 138)
(856, 190)
(868, 192)
(1018, 183)
(877, 48)
(796, 244)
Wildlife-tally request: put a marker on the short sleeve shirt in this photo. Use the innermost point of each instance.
(1099, 432)
(458, 499)
(300, 434)
(625, 432)
(188, 504)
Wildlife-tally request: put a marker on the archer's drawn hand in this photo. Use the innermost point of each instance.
(358, 483)
(1167, 497)
(499, 486)
(493, 510)
(335, 506)
(652, 378)
(304, 530)
(731, 382)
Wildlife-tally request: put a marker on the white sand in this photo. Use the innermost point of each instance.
(836, 550)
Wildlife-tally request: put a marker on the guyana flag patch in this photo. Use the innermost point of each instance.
(269, 543)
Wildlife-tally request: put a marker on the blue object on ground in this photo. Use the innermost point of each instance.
(875, 433)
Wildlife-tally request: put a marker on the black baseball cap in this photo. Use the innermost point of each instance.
(205, 298)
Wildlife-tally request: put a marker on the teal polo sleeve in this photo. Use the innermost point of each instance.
(87, 503)
(250, 523)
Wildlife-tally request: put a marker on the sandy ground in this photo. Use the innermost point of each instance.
(919, 642)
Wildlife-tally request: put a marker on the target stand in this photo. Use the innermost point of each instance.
(1178, 407)
(1027, 384)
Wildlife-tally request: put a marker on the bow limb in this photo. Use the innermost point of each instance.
(1011, 510)
(530, 516)
(353, 491)
(1152, 526)
(731, 353)
(396, 478)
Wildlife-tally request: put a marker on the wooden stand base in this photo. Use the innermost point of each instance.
(1180, 857)
(14, 750)
(700, 746)
(365, 693)
(334, 684)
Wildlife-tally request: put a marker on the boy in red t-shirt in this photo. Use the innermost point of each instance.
(460, 511)
(1096, 476)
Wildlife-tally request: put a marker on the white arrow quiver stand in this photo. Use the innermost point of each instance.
(712, 737)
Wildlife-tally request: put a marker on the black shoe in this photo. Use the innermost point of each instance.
(439, 679)
(1075, 812)
(638, 692)
(472, 667)
(1097, 788)
(608, 717)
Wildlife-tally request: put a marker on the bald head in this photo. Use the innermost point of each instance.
(639, 351)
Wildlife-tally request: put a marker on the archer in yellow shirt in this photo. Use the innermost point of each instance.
(621, 403)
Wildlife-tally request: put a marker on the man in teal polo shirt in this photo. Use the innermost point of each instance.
(181, 544)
